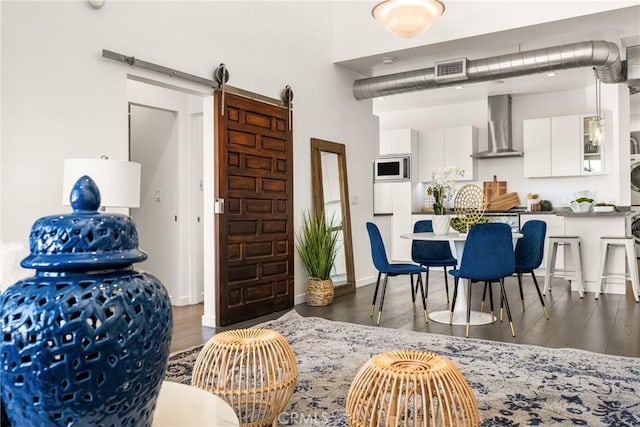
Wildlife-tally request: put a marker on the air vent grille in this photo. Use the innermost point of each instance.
(451, 70)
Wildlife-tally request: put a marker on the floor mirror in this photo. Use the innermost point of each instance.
(331, 195)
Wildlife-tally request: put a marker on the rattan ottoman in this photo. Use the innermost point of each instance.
(253, 370)
(411, 388)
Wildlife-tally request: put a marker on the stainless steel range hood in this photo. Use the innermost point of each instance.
(499, 129)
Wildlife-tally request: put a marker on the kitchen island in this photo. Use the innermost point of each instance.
(590, 227)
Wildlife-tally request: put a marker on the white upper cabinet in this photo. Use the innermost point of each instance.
(430, 153)
(397, 141)
(565, 146)
(446, 147)
(537, 147)
(557, 146)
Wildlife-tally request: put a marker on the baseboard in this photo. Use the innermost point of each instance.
(365, 281)
(299, 299)
(209, 321)
(184, 300)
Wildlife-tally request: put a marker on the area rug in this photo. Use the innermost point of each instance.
(514, 384)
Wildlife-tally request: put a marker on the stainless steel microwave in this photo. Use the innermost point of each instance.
(392, 169)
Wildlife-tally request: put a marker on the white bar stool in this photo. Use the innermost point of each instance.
(573, 243)
(630, 256)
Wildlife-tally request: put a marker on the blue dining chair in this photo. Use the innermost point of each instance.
(528, 256)
(529, 253)
(384, 267)
(488, 257)
(431, 254)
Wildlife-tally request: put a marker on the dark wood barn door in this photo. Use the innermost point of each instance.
(255, 233)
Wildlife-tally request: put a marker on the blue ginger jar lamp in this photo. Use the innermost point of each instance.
(85, 341)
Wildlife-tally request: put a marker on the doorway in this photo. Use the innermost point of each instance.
(166, 138)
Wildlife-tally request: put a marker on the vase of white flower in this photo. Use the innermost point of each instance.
(442, 188)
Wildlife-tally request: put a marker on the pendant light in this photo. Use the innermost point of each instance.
(596, 124)
(407, 18)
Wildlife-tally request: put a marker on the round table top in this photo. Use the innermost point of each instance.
(449, 237)
(181, 405)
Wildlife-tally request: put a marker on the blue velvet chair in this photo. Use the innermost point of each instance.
(384, 267)
(431, 254)
(529, 253)
(488, 257)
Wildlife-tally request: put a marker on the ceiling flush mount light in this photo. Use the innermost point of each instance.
(596, 124)
(407, 18)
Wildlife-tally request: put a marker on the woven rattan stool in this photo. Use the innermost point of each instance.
(630, 255)
(411, 388)
(573, 243)
(253, 370)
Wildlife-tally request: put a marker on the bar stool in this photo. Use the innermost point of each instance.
(630, 256)
(573, 243)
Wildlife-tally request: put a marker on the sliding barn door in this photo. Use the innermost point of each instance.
(255, 232)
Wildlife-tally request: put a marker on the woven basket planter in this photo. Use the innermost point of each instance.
(411, 388)
(319, 292)
(253, 370)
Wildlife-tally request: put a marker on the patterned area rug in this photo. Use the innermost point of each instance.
(514, 384)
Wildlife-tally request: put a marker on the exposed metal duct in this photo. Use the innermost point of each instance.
(633, 69)
(602, 55)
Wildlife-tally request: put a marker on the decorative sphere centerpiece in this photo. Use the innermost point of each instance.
(85, 341)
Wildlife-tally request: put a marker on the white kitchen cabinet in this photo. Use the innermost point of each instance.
(557, 146)
(537, 147)
(383, 197)
(439, 148)
(401, 222)
(398, 141)
(566, 138)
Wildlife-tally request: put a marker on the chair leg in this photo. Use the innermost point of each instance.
(484, 294)
(455, 295)
(506, 305)
(375, 295)
(446, 284)
(501, 305)
(493, 319)
(544, 307)
(468, 306)
(414, 291)
(426, 285)
(521, 293)
(384, 289)
(424, 299)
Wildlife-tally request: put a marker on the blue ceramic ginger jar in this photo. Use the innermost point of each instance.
(85, 341)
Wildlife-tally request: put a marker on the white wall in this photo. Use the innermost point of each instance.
(558, 190)
(61, 99)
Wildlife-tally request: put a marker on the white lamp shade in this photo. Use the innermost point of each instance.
(117, 180)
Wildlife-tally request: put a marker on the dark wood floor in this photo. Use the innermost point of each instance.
(610, 325)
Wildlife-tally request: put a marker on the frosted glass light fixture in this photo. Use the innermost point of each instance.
(407, 18)
(597, 124)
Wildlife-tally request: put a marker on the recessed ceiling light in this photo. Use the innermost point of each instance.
(552, 74)
(388, 60)
(459, 87)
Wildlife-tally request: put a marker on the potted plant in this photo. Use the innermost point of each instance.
(316, 245)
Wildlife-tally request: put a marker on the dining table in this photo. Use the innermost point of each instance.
(456, 243)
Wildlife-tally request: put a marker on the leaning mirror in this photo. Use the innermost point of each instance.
(331, 195)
